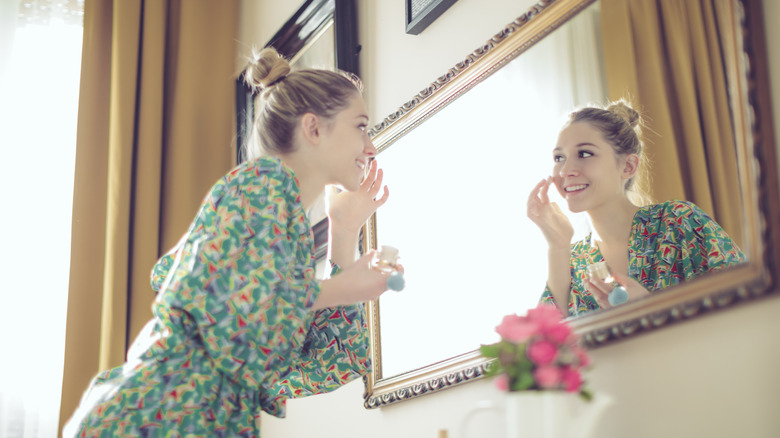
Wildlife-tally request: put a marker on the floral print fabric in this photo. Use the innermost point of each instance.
(670, 243)
(232, 333)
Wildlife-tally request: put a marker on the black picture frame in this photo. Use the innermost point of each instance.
(295, 35)
(421, 13)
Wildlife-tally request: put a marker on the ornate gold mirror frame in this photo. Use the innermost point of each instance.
(758, 177)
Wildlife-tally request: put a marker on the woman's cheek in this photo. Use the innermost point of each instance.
(558, 182)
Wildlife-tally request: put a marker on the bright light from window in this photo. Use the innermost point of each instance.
(38, 109)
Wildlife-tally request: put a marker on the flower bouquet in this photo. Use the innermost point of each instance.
(537, 352)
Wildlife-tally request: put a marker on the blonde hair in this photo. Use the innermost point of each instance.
(621, 125)
(286, 95)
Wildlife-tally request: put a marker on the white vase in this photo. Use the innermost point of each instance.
(552, 414)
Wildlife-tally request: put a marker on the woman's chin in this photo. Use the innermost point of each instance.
(575, 207)
(352, 187)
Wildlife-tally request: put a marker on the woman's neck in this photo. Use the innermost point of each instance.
(611, 223)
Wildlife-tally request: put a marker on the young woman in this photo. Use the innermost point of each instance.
(240, 323)
(647, 248)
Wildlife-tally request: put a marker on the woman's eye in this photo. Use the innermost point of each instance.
(558, 158)
(585, 154)
(362, 127)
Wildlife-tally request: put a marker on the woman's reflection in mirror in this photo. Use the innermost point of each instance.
(647, 246)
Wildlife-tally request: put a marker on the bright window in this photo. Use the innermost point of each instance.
(40, 62)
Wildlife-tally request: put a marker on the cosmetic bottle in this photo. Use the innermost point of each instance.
(386, 260)
(600, 271)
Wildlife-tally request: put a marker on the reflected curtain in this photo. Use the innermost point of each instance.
(155, 131)
(667, 58)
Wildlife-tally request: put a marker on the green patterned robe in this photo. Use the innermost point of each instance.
(233, 333)
(670, 242)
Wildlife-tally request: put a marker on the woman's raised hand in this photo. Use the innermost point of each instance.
(350, 210)
(548, 216)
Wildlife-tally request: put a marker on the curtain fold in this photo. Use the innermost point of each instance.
(665, 56)
(155, 131)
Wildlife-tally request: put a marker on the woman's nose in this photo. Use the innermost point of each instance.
(369, 148)
(569, 169)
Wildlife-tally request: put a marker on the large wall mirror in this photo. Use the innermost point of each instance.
(463, 155)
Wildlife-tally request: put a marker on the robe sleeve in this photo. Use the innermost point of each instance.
(705, 246)
(335, 352)
(163, 265)
(239, 284)
(547, 297)
(160, 271)
(580, 301)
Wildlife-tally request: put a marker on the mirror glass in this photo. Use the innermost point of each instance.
(460, 182)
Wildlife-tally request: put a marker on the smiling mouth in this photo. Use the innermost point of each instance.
(575, 189)
(360, 164)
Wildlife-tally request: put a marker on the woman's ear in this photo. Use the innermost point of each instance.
(630, 165)
(311, 128)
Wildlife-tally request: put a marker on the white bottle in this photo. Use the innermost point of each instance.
(386, 260)
(600, 271)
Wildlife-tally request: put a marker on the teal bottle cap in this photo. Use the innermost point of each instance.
(618, 295)
(396, 282)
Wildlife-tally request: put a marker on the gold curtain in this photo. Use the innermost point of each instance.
(666, 57)
(155, 131)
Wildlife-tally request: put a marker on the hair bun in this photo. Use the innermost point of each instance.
(624, 110)
(268, 68)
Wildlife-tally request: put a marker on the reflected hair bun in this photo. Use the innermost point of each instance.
(626, 112)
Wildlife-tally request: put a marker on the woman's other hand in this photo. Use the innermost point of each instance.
(548, 216)
(356, 283)
(600, 290)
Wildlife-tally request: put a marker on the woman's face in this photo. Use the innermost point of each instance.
(587, 171)
(347, 144)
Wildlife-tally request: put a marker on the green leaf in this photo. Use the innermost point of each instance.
(523, 382)
(520, 354)
(494, 370)
(491, 350)
(586, 394)
(524, 366)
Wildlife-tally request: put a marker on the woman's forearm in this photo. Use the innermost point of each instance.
(329, 294)
(559, 277)
(342, 245)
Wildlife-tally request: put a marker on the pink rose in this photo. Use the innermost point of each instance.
(502, 382)
(572, 380)
(545, 315)
(542, 352)
(516, 329)
(548, 377)
(558, 333)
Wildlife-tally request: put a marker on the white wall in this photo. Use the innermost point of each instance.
(258, 22)
(714, 377)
